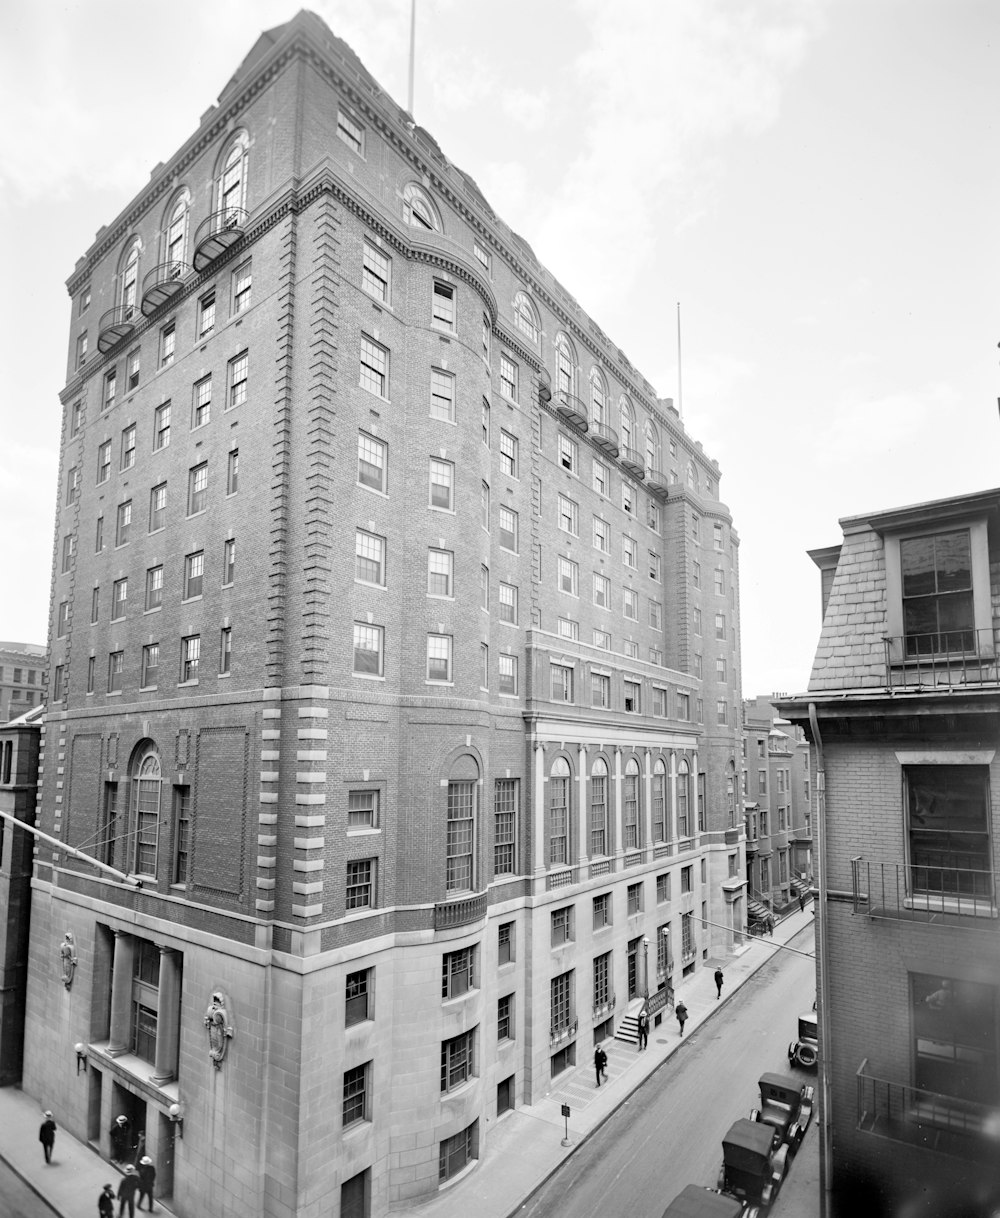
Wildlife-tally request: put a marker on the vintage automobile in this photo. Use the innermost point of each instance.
(697, 1202)
(754, 1162)
(786, 1105)
(805, 1050)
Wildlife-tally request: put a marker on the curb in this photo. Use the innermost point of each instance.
(30, 1186)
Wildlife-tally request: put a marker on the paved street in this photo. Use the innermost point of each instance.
(19, 1200)
(669, 1132)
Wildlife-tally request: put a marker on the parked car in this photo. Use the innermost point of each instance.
(754, 1162)
(786, 1105)
(805, 1050)
(696, 1202)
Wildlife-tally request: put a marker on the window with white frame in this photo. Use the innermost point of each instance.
(128, 447)
(201, 407)
(484, 506)
(630, 552)
(443, 305)
(561, 683)
(228, 561)
(718, 537)
(439, 657)
(720, 581)
(356, 1102)
(569, 576)
(632, 697)
(569, 515)
(350, 132)
(602, 535)
(630, 604)
(442, 484)
(368, 650)
(568, 453)
(654, 566)
(457, 1063)
(440, 572)
(507, 600)
(483, 255)
(525, 317)
(242, 287)
(567, 628)
(418, 210)
(194, 574)
(558, 812)
(376, 271)
(602, 639)
(600, 690)
(599, 821)
(659, 702)
(721, 668)
(508, 377)
(442, 396)
(150, 665)
(238, 377)
(372, 462)
(602, 477)
(655, 615)
(359, 891)
(508, 529)
(628, 498)
(484, 587)
(161, 426)
(374, 367)
(720, 625)
(565, 366)
(197, 489)
(460, 835)
(123, 525)
(104, 462)
(507, 673)
(206, 314)
(505, 805)
(225, 651)
(369, 558)
(154, 587)
(362, 809)
(190, 657)
(233, 471)
(561, 925)
(508, 453)
(602, 591)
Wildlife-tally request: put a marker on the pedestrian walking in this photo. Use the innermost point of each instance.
(643, 1030)
(47, 1136)
(127, 1190)
(106, 1202)
(121, 1141)
(718, 983)
(147, 1176)
(802, 903)
(681, 1011)
(600, 1064)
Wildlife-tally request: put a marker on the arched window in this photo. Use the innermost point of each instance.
(559, 795)
(175, 228)
(565, 366)
(418, 210)
(652, 449)
(145, 810)
(460, 844)
(233, 178)
(683, 799)
(627, 417)
(128, 281)
(631, 804)
(598, 398)
(525, 317)
(599, 807)
(660, 823)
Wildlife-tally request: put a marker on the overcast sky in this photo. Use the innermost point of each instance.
(817, 182)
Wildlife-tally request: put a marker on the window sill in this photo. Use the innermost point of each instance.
(364, 832)
(369, 676)
(185, 684)
(146, 689)
(447, 511)
(189, 600)
(224, 675)
(154, 609)
(114, 693)
(365, 583)
(444, 684)
(968, 907)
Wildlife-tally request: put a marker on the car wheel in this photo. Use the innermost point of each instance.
(806, 1056)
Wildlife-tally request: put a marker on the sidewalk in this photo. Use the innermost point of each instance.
(530, 1137)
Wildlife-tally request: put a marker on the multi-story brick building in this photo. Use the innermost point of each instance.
(903, 711)
(395, 675)
(23, 671)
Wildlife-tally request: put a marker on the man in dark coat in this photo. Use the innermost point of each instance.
(47, 1136)
(147, 1175)
(127, 1190)
(121, 1141)
(600, 1063)
(106, 1202)
(681, 1011)
(643, 1029)
(718, 983)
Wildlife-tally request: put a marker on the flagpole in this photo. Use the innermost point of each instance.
(413, 43)
(680, 389)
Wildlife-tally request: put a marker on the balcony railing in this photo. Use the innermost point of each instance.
(605, 437)
(160, 284)
(603, 1009)
(216, 233)
(633, 460)
(572, 409)
(918, 892)
(944, 1123)
(562, 1032)
(559, 879)
(116, 324)
(945, 659)
(657, 481)
(459, 913)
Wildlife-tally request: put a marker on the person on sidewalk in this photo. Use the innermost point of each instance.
(121, 1141)
(681, 1011)
(106, 1202)
(643, 1030)
(47, 1136)
(600, 1064)
(802, 903)
(147, 1176)
(127, 1190)
(718, 983)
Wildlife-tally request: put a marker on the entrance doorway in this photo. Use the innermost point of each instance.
(133, 1109)
(633, 968)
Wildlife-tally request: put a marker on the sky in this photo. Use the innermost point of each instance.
(816, 184)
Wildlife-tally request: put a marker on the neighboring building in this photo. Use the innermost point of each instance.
(903, 711)
(23, 672)
(776, 786)
(19, 742)
(397, 657)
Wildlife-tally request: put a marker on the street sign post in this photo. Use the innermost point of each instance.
(565, 1112)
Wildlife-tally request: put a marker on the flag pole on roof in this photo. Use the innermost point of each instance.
(680, 389)
(413, 43)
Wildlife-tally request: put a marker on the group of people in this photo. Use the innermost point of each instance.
(680, 1010)
(140, 1174)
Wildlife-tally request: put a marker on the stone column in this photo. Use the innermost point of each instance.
(120, 1034)
(672, 787)
(617, 812)
(583, 818)
(647, 803)
(539, 808)
(168, 1017)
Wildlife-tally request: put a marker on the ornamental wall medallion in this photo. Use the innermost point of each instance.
(220, 1030)
(67, 958)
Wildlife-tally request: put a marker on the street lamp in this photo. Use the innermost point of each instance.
(645, 965)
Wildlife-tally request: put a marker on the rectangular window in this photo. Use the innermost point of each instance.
(369, 558)
(375, 272)
(569, 516)
(721, 668)
(81, 349)
(360, 889)
(119, 598)
(459, 836)
(654, 566)
(567, 628)
(696, 574)
(505, 795)
(439, 657)
(154, 588)
(720, 581)
(505, 1017)
(568, 453)
(68, 552)
(630, 552)
(458, 972)
(368, 643)
(507, 598)
(569, 576)
(687, 879)
(602, 591)
(233, 471)
(110, 389)
(508, 529)
(161, 427)
(206, 314)
(602, 981)
(484, 587)
(561, 1004)
(482, 254)
(663, 887)
(457, 1062)
(602, 908)
(75, 419)
(484, 665)
(457, 1152)
(628, 498)
(696, 620)
(95, 602)
(655, 615)
(128, 447)
(938, 611)
(717, 537)
(239, 375)
(123, 523)
(720, 625)
(197, 489)
(72, 485)
(190, 657)
(602, 535)
(633, 697)
(355, 1106)
(116, 666)
(630, 604)
(157, 507)
(91, 675)
(653, 516)
(602, 478)
(62, 620)
(59, 683)
(634, 898)
(721, 711)
(561, 683)
(508, 453)
(505, 942)
(104, 462)
(508, 378)
(508, 674)
(602, 639)
(562, 925)
(484, 507)
(350, 132)
(558, 820)
(954, 1043)
(600, 690)
(168, 338)
(362, 809)
(201, 405)
(442, 396)
(486, 332)
(242, 288)
(442, 484)
(132, 365)
(194, 574)
(948, 832)
(372, 462)
(443, 305)
(358, 997)
(486, 421)
(150, 665)
(659, 702)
